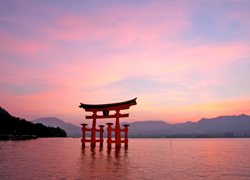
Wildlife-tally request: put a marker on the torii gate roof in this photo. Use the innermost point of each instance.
(122, 105)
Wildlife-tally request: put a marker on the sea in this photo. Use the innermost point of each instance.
(65, 159)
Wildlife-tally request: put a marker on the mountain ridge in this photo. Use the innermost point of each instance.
(218, 126)
(71, 130)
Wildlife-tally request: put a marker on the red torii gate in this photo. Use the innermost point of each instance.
(106, 108)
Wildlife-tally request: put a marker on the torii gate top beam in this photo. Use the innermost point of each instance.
(109, 107)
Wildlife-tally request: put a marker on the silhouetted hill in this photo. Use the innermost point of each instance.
(215, 127)
(14, 128)
(71, 130)
(3, 111)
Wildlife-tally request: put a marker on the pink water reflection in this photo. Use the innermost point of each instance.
(63, 158)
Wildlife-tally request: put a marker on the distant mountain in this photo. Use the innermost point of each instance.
(147, 128)
(149, 125)
(16, 128)
(239, 125)
(215, 127)
(71, 130)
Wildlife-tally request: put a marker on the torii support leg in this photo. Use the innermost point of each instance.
(117, 131)
(101, 135)
(84, 134)
(109, 140)
(93, 140)
(126, 135)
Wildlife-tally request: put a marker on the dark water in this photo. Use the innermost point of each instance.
(63, 158)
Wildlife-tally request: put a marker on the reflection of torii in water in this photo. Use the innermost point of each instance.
(106, 108)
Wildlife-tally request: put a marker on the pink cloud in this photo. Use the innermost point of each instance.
(120, 26)
(20, 46)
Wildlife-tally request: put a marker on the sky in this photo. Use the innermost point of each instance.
(183, 60)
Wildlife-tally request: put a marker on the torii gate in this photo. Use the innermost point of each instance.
(106, 108)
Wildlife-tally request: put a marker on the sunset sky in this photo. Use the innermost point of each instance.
(183, 60)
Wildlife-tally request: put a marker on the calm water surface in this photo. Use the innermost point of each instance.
(63, 158)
